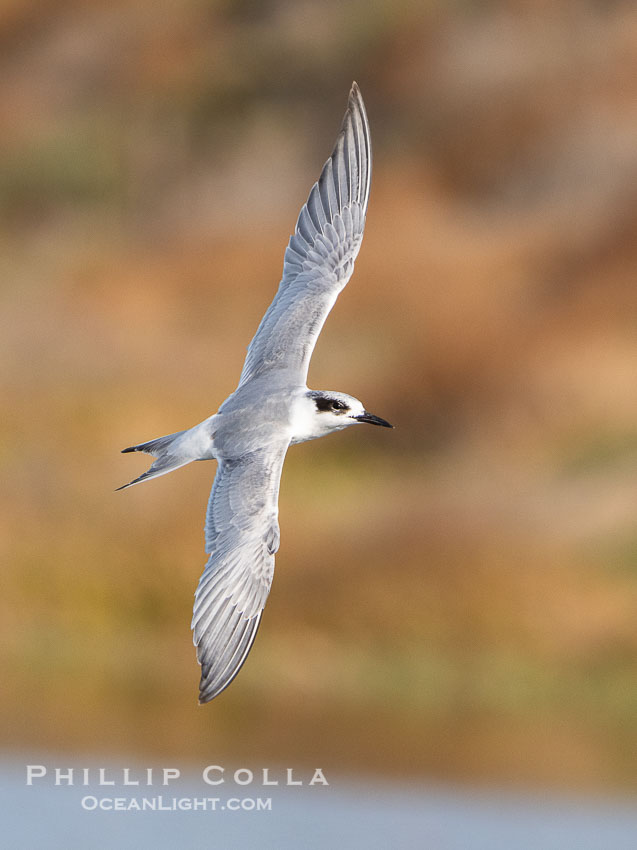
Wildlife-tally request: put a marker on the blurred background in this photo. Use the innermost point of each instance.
(454, 600)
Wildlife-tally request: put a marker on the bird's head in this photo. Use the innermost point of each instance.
(323, 411)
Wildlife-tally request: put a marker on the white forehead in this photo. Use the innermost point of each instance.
(355, 405)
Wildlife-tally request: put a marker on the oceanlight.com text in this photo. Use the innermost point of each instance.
(91, 803)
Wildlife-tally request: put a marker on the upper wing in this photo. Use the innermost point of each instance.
(242, 536)
(319, 259)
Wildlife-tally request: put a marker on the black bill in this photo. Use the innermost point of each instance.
(373, 420)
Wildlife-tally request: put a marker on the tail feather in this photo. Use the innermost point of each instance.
(155, 447)
(168, 454)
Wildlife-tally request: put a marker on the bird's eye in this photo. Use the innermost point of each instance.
(338, 405)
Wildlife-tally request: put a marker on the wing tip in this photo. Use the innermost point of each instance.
(355, 103)
(213, 681)
(355, 92)
(355, 126)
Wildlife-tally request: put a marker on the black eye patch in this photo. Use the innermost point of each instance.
(324, 404)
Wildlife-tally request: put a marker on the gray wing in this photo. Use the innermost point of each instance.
(242, 537)
(319, 259)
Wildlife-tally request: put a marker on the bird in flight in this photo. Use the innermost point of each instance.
(271, 409)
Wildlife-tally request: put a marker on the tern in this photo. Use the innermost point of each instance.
(272, 409)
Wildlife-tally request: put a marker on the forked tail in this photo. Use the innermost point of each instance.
(170, 452)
